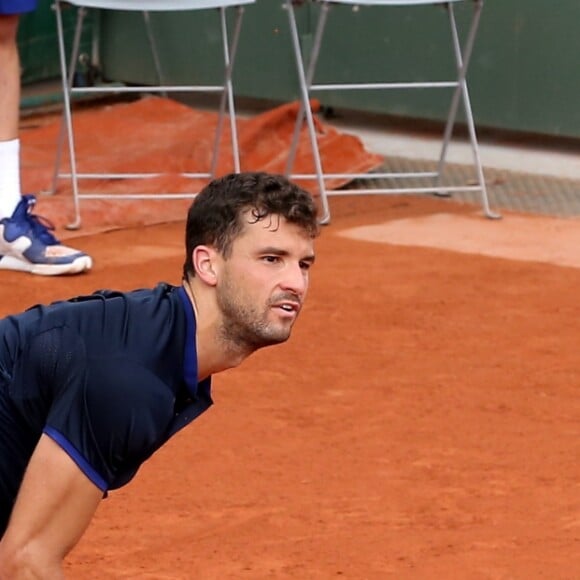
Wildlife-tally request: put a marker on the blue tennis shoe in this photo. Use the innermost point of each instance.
(27, 245)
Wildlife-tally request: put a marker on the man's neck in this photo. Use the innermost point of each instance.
(214, 353)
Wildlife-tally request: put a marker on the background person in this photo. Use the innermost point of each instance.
(26, 242)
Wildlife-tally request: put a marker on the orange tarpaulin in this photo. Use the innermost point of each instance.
(161, 135)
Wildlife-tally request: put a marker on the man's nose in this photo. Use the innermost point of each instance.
(295, 279)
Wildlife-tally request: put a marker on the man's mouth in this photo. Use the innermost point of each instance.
(288, 306)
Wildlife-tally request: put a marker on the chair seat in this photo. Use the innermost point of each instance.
(160, 5)
(388, 2)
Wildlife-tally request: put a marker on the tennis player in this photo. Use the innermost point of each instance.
(91, 387)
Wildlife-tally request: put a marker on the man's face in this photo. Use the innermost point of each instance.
(263, 282)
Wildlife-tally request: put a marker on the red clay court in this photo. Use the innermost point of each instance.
(423, 422)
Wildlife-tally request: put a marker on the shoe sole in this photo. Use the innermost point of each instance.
(78, 266)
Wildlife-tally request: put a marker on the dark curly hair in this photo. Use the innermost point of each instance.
(214, 218)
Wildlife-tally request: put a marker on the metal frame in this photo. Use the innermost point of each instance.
(307, 86)
(230, 45)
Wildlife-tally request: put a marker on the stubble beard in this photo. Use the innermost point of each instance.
(244, 328)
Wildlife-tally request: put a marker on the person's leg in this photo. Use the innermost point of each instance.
(26, 242)
(9, 115)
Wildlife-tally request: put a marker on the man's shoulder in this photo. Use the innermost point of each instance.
(158, 292)
(100, 308)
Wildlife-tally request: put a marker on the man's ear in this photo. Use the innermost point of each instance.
(205, 264)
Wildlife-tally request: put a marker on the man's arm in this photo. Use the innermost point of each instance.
(55, 505)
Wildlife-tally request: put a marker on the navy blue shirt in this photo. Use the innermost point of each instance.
(110, 377)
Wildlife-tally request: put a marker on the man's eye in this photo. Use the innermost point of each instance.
(271, 259)
(305, 265)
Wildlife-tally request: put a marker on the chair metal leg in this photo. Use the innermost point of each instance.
(315, 52)
(230, 49)
(67, 80)
(305, 108)
(463, 58)
(62, 131)
(478, 5)
(154, 51)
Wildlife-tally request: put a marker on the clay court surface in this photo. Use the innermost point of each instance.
(422, 422)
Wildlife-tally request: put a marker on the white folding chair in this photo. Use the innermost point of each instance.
(307, 87)
(230, 44)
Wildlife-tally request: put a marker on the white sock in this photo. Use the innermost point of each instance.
(9, 177)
